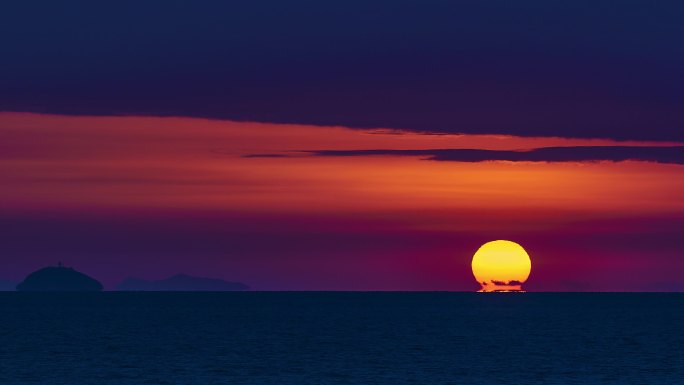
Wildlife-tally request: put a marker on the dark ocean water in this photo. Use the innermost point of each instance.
(341, 338)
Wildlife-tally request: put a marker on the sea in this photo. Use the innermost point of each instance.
(341, 338)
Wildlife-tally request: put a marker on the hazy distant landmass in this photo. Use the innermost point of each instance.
(181, 282)
(7, 285)
(58, 278)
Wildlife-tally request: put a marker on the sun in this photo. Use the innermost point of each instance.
(501, 266)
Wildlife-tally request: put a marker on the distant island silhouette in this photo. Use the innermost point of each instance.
(7, 285)
(58, 278)
(181, 282)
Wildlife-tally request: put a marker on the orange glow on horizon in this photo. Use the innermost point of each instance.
(394, 218)
(199, 163)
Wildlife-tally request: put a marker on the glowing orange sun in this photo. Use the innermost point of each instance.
(501, 266)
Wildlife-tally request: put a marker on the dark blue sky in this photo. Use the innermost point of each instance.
(562, 68)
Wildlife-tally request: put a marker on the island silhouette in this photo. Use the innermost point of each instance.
(58, 278)
(181, 282)
(7, 285)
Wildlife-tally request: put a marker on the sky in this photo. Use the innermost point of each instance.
(300, 145)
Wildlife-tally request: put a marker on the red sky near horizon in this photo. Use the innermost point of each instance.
(149, 197)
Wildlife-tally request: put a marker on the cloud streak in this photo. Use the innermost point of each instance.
(668, 155)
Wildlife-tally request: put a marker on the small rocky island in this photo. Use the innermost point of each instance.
(181, 282)
(59, 278)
